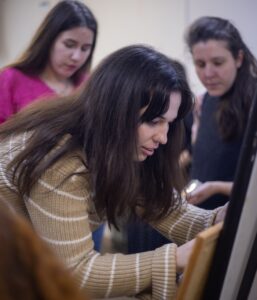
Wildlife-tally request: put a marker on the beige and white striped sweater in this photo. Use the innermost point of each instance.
(64, 217)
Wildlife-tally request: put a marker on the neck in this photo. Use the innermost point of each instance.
(60, 85)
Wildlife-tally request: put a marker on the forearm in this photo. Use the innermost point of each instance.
(182, 224)
(221, 187)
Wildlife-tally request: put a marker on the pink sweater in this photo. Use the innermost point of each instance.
(18, 89)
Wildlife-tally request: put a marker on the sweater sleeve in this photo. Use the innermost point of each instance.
(59, 211)
(184, 223)
(6, 101)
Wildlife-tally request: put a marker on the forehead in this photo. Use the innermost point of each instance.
(173, 106)
(175, 101)
(210, 49)
(79, 34)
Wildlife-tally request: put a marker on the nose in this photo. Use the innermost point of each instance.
(76, 55)
(161, 136)
(208, 71)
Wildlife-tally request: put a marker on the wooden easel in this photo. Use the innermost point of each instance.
(195, 275)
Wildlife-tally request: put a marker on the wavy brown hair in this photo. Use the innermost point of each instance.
(234, 106)
(28, 269)
(102, 122)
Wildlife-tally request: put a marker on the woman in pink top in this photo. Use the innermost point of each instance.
(56, 61)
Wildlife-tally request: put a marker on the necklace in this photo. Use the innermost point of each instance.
(62, 88)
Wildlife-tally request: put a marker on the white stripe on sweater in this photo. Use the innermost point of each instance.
(166, 271)
(194, 217)
(137, 274)
(62, 193)
(92, 222)
(110, 286)
(69, 242)
(10, 148)
(55, 217)
(88, 269)
(6, 180)
(24, 140)
(181, 219)
(73, 262)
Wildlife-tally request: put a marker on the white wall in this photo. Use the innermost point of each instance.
(160, 23)
(18, 21)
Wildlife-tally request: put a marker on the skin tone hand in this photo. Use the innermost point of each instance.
(185, 250)
(209, 189)
(183, 254)
(221, 214)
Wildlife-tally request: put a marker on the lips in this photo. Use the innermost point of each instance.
(212, 85)
(148, 151)
(71, 67)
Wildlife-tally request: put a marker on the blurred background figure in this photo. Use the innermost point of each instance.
(57, 60)
(28, 269)
(228, 70)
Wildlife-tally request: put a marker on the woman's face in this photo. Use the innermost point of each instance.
(70, 51)
(152, 134)
(215, 66)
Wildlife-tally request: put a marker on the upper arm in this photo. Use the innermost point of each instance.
(58, 211)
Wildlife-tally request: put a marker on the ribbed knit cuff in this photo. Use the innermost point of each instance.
(164, 273)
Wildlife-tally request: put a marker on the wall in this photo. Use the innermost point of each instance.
(18, 21)
(160, 23)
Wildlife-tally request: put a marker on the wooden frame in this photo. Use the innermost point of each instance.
(195, 275)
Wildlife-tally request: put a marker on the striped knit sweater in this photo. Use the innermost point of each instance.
(64, 216)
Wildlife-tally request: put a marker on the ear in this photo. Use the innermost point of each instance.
(240, 58)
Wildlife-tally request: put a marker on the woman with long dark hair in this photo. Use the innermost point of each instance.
(104, 154)
(228, 70)
(57, 60)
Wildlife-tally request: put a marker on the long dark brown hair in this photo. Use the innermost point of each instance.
(102, 122)
(234, 106)
(65, 15)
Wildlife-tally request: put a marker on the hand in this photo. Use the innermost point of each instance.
(208, 189)
(183, 254)
(201, 193)
(221, 214)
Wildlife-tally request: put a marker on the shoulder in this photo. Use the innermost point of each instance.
(70, 165)
(12, 75)
(10, 72)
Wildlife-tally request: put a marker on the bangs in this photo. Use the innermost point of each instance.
(157, 103)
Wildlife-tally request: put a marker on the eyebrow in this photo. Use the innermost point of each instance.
(75, 41)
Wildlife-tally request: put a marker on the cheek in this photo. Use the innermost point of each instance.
(57, 55)
(143, 133)
(85, 57)
(229, 76)
(61, 50)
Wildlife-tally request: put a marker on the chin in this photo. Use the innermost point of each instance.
(216, 93)
(141, 158)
